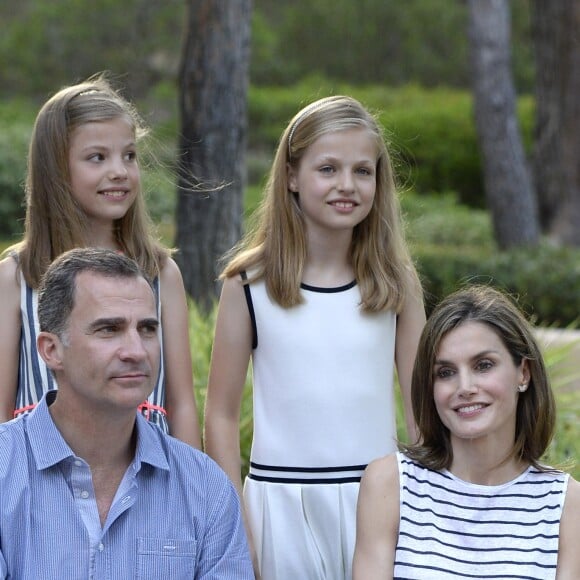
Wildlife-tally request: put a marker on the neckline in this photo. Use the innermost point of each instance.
(483, 486)
(327, 290)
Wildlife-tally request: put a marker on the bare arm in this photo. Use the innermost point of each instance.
(377, 523)
(568, 553)
(179, 396)
(9, 337)
(410, 324)
(229, 365)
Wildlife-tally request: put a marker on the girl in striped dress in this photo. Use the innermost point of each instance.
(83, 188)
(323, 298)
(472, 499)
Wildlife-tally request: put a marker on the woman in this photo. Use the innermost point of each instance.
(471, 499)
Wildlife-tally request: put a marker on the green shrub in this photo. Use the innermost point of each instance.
(15, 128)
(453, 245)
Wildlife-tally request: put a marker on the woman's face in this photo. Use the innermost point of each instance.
(475, 385)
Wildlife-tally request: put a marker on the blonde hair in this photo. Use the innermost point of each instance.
(274, 248)
(54, 220)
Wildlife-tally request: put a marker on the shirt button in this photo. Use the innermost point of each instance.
(78, 462)
(84, 494)
(101, 547)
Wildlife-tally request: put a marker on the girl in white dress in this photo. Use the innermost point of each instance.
(324, 299)
(471, 499)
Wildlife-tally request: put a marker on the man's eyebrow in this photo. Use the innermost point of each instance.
(113, 321)
(149, 322)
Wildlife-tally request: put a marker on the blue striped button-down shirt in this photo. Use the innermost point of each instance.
(175, 515)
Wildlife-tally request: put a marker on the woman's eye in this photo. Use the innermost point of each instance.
(484, 365)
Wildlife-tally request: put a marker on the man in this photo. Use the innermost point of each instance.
(89, 488)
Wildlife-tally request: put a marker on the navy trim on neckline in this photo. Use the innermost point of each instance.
(328, 290)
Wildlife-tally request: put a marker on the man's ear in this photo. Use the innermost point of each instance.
(50, 349)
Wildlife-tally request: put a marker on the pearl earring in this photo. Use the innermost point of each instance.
(522, 387)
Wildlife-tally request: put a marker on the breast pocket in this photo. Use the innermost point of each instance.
(159, 558)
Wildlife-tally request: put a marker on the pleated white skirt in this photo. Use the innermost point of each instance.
(302, 531)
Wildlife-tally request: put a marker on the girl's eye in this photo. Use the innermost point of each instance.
(443, 373)
(365, 171)
(131, 155)
(96, 157)
(326, 169)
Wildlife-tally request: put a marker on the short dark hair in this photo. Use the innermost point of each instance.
(536, 410)
(56, 295)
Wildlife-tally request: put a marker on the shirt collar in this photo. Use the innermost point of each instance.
(49, 448)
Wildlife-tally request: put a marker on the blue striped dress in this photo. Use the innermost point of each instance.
(450, 528)
(35, 379)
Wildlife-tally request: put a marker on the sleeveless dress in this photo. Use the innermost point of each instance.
(323, 408)
(35, 379)
(451, 529)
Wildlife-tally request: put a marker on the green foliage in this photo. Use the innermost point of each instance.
(45, 45)
(453, 245)
(374, 41)
(15, 127)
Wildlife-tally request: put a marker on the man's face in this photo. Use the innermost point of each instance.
(109, 355)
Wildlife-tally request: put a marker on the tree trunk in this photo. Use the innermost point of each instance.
(213, 83)
(508, 186)
(555, 27)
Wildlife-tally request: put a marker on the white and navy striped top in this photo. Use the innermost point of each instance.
(450, 528)
(35, 379)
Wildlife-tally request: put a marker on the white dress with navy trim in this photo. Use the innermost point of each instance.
(323, 409)
(452, 529)
(35, 379)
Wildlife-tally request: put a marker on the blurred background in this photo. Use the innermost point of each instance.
(478, 98)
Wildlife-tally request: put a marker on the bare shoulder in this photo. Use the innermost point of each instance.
(9, 281)
(8, 271)
(171, 274)
(569, 556)
(381, 475)
(572, 502)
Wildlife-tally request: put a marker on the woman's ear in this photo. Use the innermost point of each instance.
(524, 372)
(50, 349)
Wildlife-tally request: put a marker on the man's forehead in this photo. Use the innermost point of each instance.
(126, 292)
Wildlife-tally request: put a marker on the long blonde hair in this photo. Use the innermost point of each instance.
(54, 220)
(274, 248)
